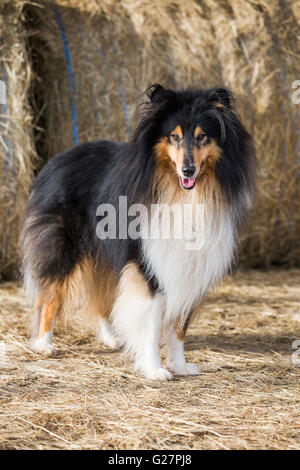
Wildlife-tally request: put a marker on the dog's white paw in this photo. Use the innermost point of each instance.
(159, 374)
(109, 341)
(189, 368)
(41, 346)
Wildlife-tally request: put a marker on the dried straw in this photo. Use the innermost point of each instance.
(92, 72)
(247, 396)
(17, 151)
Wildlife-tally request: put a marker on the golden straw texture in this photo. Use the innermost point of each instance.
(17, 148)
(87, 397)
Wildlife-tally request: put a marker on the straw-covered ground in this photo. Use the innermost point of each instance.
(247, 396)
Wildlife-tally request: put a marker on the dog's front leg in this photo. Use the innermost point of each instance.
(137, 317)
(174, 340)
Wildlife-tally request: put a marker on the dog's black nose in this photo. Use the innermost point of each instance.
(188, 171)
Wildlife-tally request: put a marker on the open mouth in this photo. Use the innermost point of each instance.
(187, 183)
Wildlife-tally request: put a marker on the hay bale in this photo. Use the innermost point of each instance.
(92, 72)
(260, 62)
(96, 58)
(16, 137)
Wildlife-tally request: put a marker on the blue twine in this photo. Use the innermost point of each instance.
(70, 72)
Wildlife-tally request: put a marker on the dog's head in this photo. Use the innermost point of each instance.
(192, 133)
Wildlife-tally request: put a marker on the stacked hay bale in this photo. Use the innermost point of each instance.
(258, 46)
(93, 59)
(92, 67)
(17, 152)
(251, 47)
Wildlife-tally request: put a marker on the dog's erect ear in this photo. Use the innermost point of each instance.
(221, 97)
(156, 93)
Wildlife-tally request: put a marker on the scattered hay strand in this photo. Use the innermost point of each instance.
(87, 397)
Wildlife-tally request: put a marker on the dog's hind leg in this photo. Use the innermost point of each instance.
(49, 257)
(47, 307)
(101, 287)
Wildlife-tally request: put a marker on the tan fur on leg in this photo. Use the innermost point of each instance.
(174, 339)
(48, 305)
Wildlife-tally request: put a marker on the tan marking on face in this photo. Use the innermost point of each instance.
(167, 153)
(218, 105)
(165, 178)
(162, 154)
(198, 131)
(207, 155)
(175, 148)
(176, 154)
(165, 185)
(178, 131)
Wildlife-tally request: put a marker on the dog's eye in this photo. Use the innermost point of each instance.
(200, 137)
(175, 137)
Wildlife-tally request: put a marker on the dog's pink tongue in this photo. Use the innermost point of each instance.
(188, 182)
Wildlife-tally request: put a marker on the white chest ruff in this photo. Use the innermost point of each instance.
(185, 270)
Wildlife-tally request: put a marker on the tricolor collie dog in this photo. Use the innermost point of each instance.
(188, 150)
